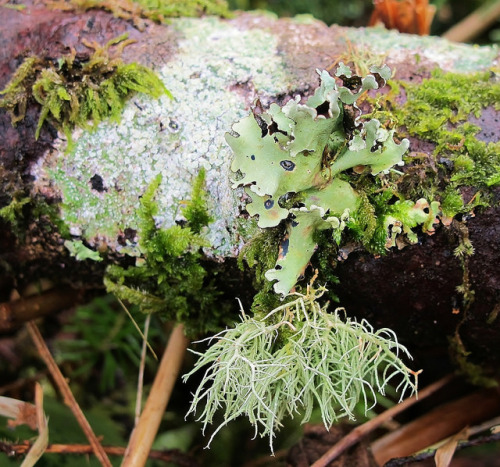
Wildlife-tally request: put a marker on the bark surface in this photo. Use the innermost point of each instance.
(412, 290)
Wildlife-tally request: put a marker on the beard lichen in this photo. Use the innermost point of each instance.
(299, 356)
(78, 91)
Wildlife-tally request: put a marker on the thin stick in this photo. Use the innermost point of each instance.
(471, 26)
(140, 379)
(362, 430)
(144, 433)
(138, 328)
(15, 313)
(65, 390)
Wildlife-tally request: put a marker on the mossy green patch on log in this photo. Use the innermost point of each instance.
(446, 110)
(75, 92)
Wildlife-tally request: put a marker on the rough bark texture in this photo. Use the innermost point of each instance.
(412, 291)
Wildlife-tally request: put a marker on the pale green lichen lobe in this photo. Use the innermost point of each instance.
(296, 153)
(175, 138)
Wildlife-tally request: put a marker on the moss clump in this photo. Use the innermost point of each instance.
(78, 92)
(169, 277)
(13, 214)
(156, 10)
(439, 110)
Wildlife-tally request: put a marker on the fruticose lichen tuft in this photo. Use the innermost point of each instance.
(291, 162)
(299, 356)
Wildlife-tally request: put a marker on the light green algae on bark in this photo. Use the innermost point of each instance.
(173, 137)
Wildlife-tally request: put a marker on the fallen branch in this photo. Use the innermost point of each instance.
(17, 312)
(471, 26)
(362, 430)
(65, 390)
(144, 433)
(403, 461)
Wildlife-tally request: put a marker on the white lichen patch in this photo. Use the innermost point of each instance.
(101, 180)
(448, 56)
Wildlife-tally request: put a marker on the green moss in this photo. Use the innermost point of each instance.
(72, 92)
(169, 277)
(195, 210)
(41, 208)
(13, 214)
(261, 253)
(438, 110)
(474, 373)
(156, 10)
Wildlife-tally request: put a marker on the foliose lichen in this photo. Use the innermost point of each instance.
(292, 161)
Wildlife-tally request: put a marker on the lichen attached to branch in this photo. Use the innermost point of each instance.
(296, 358)
(293, 163)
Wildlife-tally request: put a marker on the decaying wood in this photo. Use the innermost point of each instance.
(412, 291)
(444, 421)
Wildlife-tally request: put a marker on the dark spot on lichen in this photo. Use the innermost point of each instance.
(90, 23)
(130, 234)
(287, 165)
(252, 157)
(324, 109)
(97, 183)
(174, 126)
(284, 247)
(269, 204)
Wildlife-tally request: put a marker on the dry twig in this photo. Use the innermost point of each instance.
(14, 313)
(140, 381)
(144, 433)
(180, 459)
(362, 430)
(441, 422)
(65, 390)
(471, 26)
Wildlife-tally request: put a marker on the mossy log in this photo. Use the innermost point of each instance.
(216, 69)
